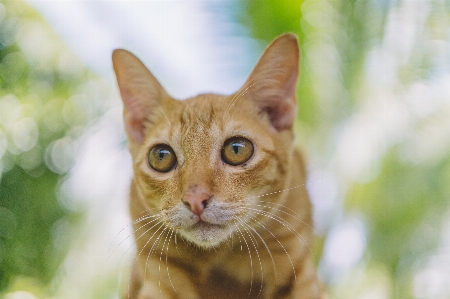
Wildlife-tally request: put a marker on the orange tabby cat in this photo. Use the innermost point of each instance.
(218, 196)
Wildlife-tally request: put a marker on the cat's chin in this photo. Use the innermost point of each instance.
(205, 235)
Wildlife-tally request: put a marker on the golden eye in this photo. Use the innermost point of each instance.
(237, 150)
(162, 158)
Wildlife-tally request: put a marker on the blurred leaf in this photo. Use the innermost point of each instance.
(404, 207)
(405, 202)
(32, 97)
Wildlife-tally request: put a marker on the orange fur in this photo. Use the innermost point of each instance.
(253, 235)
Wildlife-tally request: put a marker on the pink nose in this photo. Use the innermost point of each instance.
(196, 202)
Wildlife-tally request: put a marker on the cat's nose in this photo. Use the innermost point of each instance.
(197, 202)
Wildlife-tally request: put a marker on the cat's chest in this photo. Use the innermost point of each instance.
(229, 272)
(222, 285)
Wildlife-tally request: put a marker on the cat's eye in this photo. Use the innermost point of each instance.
(162, 158)
(237, 150)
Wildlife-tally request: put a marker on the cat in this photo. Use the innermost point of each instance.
(218, 198)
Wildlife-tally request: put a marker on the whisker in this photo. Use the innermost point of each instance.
(143, 247)
(141, 218)
(160, 256)
(275, 192)
(167, 264)
(158, 239)
(165, 115)
(148, 223)
(236, 98)
(136, 230)
(294, 215)
(253, 240)
(280, 220)
(249, 254)
(287, 189)
(176, 241)
(243, 90)
(278, 241)
(264, 242)
(284, 223)
(231, 235)
(151, 237)
(281, 245)
(118, 245)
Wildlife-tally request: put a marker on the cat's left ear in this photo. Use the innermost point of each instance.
(140, 91)
(271, 85)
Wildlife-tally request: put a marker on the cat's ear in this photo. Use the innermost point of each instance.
(141, 93)
(271, 85)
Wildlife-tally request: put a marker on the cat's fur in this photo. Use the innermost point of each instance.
(252, 234)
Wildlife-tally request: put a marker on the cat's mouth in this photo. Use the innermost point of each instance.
(205, 224)
(205, 234)
(206, 230)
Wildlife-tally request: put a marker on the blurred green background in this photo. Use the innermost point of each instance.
(374, 121)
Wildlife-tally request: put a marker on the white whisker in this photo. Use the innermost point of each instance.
(137, 256)
(249, 254)
(286, 224)
(253, 240)
(160, 256)
(165, 115)
(264, 242)
(167, 263)
(158, 239)
(243, 90)
(294, 215)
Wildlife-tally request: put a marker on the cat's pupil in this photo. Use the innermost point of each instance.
(161, 154)
(236, 148)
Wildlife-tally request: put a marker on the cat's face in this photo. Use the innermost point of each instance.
(203, 163)
(202, 167)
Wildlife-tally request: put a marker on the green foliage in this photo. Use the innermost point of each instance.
(31, 211)
(268, 19)
(36, 146)
(404, 208)
(348, 26)
(405, 199)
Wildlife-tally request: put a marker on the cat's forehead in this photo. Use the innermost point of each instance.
(215, 114)
(203, 108)
(205, 118)
(202, 118)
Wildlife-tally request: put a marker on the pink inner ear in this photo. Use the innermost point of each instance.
(135, 127)
(273, 81)
(277, 99)
(141, 92)
(281, 111)
(282, 115)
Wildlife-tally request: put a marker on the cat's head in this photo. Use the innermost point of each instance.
(201, 163)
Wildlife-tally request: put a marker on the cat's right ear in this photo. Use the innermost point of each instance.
(272, 83)
(140, 91)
